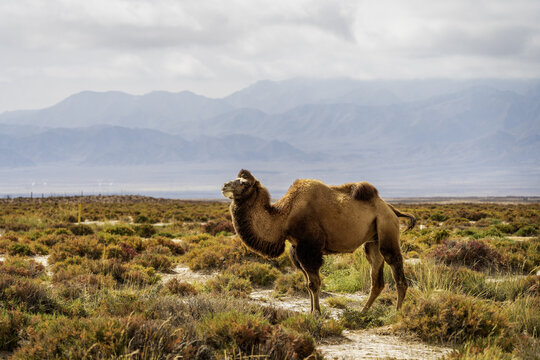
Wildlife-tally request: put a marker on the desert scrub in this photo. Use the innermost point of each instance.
(257, 273)
(20, 248)
(131, 273)
(428, 277)
(16, 265)
(123, 230)
(350, 273)
(474, 254)
(354, 319)
(520, 256)
(83, 246)
(251, 334)
(219, 252)
(290, 284)
(524, 314)
(145, 230)
(83, 338)
(154, 260)
(224, 227)
(527, 230)
(12, 322)
(316, 326)
(175, 247)
(229, 284)
(181, 288)
(27, 294)
(451, 318)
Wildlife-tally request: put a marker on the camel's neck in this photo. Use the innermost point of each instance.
(259, 225)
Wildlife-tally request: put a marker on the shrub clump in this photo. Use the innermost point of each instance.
(154, 260)
(251, 334)
(292, 283)
(93, 338)
(451, 318)
(231, 284)
(122, 230)
(181, 288)
(318, 327)
(27, 294)
(257, 273)
(15, 265)
(11, 323)
(212, 253)
(215, 227)
(474, 254)
(354, 319)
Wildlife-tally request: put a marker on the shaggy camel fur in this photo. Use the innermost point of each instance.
(318, 219)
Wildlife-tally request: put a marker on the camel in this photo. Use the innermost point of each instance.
(318, 220)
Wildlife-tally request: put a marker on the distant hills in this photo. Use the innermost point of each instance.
(466, 123)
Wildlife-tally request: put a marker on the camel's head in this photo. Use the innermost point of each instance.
(240, 187)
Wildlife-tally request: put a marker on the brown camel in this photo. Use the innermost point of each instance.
(318, 219)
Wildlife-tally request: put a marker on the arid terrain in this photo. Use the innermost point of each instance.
(145, 278)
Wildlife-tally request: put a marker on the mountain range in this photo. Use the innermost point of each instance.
(480, 121)
(414, 127)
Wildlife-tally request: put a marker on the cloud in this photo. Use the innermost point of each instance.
(214, 47)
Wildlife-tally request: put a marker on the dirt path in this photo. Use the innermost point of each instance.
(378, 343)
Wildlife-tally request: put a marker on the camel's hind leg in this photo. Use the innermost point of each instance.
(388, 233)
(376, 261)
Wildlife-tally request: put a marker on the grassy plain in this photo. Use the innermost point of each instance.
(472, 270)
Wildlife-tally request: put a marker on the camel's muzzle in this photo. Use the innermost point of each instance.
(227, 190)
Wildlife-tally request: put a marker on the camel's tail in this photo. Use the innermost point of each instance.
(412, 219)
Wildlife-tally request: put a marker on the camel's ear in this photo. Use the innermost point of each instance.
(244, 174)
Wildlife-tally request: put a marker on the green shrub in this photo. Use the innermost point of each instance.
(83, 246)
(315, 326)
(145, 230)
(439, 217)
(337, 302)
(292, 283)
(27, 294)
(354, 319)
(139, 275)
(212, 253)
(528, 230)
(175, 248)
(446, 317)
(256, 273)
(252, 335)
(98, 338)
(12, 322)
(231, 284)
(20, 248)
(524, 313)
(457, 222)
(122, 230)
(519, 256)
(153, 260)
(15, 265)
(81, 230)
(181, 288)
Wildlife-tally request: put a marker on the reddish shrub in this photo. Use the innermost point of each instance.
(215, 227)
(474, 254)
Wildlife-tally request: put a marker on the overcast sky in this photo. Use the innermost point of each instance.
(52, 49)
